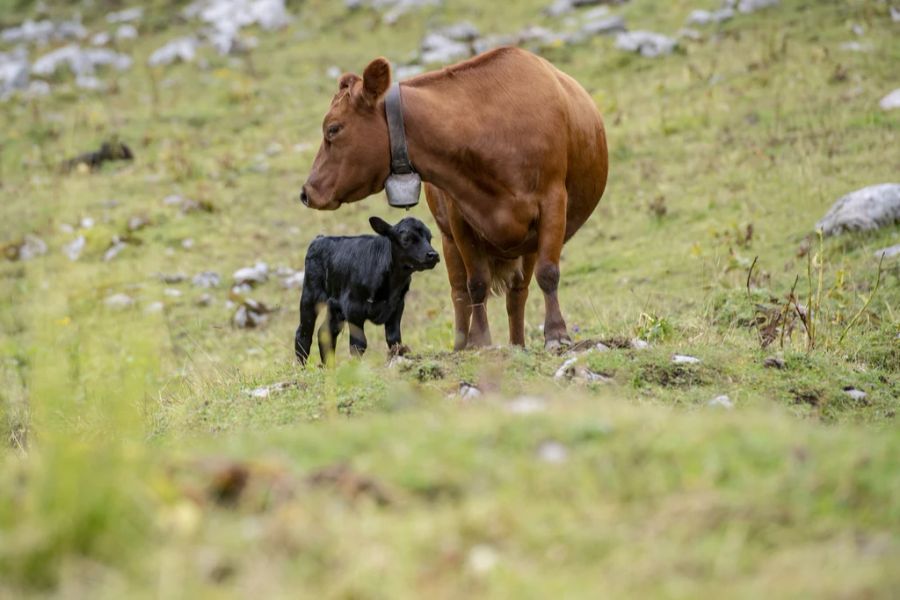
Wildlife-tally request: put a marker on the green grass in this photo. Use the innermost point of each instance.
(129, 433)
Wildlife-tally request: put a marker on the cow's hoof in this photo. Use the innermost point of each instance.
(555, 344)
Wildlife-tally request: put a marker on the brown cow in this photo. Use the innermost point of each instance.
(513, 154)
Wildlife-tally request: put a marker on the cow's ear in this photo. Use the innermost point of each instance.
(376, 79)
(381, 227)
(347, 80)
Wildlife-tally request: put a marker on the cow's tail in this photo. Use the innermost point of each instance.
(503, 271)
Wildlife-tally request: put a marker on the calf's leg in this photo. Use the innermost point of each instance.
(328, 335)
(358, 341)
(551, 236)
(516, 297)
(459, 292)
(392, 331)
(308, 314)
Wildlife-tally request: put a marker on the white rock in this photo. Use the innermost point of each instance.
(182, 49)
(721, 402)
(206, 279)
(706, 17)
(462, 31)
(292, 282)
(37, 89)
(172, 293)
(552, 452)
(684, 359)
(73, 249)
(889, 252)
(750, 6)
(154, 308)
(482, 559)
(604, 25)
(89, 82)
(563, 371)
(437, 48)
(32, 247)
(638, 344)
(258, 273)
(114, 250)
(81, 62)
(187, 243)
(14, 72)
(101, 38)
(119, 301)
(855, 394)
(646, 43)
(467, 391)
(125, 16)
(863, 210)
(126, 32)
(895, 14)
(43, 32)
(526, 405)
(891, 101)
(204, 300)
(406, 71)
(856, 46)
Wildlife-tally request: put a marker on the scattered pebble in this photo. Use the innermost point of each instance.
(182, 49)
(721, 402)
(891, 101)
(855, 394)
(172, 293)
(526, 405)
(684, 359)
(125, 16)
(137, 222)
(126, 32)
(774, 362)
(294, 281)
(154, 307)
(552, 452)
(467, 391)
(31, 247)
(187, 243)
(706, 17)
(119, 301)
(206, 279)
(258, 273)
(646, 43)
(251, 314)
(115, 248)
(81, 62)
(482, 559)
(639, 344)
(204, 300)
(74, 248)
(268, 390)
(399, 362)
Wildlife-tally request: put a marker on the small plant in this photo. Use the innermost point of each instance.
(653, 328)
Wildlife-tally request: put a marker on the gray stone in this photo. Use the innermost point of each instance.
(206, 279)
(855, 394)
(182, 49)
(101, 38)
(638, 344)
(293, 281)
(119, 301)
(751, 6)
(258, 273)
(126, 32)
(125, 16)
(89, 82)
(406, 71)
(490, 42)
(684, 359)
(721, 402)
(81, 62)
(889, 252)
(467, 391)
(437, 48)
(863, 210)
(707, 17)
(526, 405)
(604, 26)
(43, 32)
(891, 101)
(461, 32)
(74, 248)
(552, 452)
(646, 43)
(14, 72)
(32, 247)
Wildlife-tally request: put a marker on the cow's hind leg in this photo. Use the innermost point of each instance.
(459, 292)
(329, 332)
(516, 297)
(551, 236)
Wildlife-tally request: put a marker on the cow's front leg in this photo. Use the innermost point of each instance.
(478, 280)
(551, 236)
(516, 297)
(392, 332)
(459, 293)
(358, 341)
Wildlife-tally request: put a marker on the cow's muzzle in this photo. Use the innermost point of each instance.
(304, 197)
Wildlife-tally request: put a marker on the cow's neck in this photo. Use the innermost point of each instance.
(435, 145)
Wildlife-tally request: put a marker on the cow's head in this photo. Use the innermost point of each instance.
(410, 243)
(354, 158)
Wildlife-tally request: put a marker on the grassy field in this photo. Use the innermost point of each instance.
(139, 462)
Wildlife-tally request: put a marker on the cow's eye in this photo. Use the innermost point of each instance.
(332, 131)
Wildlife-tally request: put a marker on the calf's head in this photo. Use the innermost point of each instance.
(410, 243)
(354, 159)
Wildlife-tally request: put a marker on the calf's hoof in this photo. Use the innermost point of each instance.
(399, 350)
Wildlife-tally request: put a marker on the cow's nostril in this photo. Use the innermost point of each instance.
(303, 197)
(432, 255)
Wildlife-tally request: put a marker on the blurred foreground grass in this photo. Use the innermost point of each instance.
(141, 463)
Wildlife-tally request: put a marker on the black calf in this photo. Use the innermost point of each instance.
(359, 279)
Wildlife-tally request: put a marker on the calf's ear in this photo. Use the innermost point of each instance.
(376, 79)
(380, 226)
